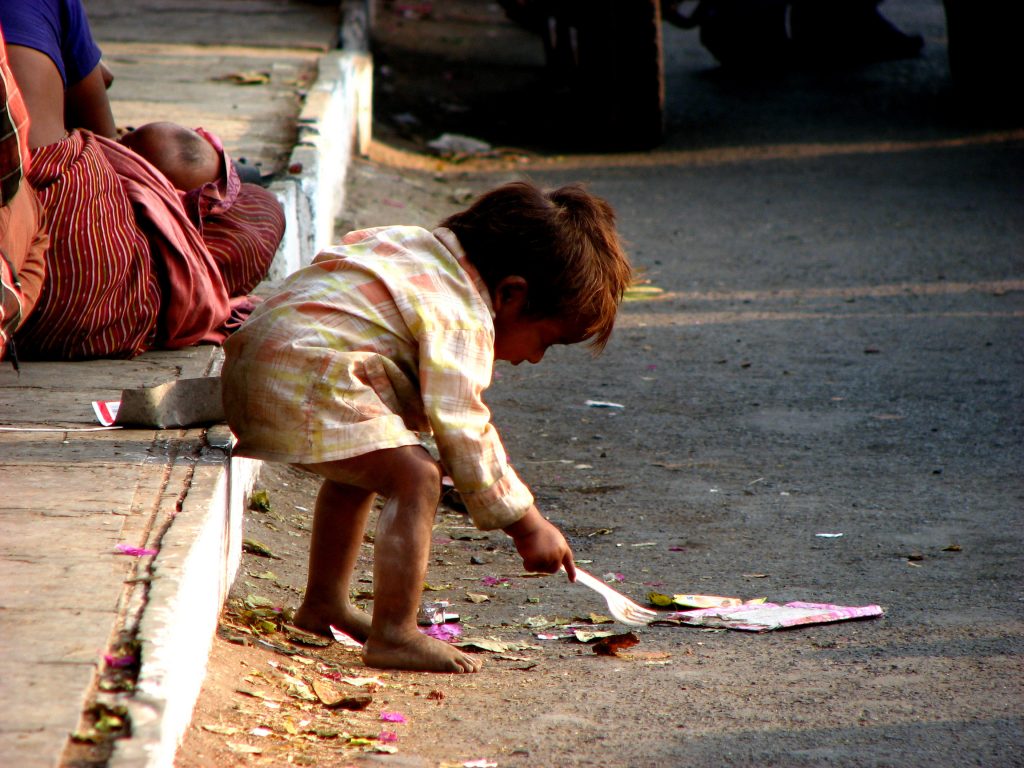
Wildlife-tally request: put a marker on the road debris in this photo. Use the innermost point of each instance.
(762, 617)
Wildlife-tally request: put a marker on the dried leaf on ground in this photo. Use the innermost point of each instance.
(610, 646)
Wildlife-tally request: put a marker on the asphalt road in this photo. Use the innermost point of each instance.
(829, 339)
(835, 345)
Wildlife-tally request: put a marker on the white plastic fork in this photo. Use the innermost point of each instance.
(620, 607)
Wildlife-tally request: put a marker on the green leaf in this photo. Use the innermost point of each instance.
(253, 547)
(259, 501)
(660, 600)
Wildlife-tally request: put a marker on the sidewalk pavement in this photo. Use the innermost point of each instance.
(267, 77)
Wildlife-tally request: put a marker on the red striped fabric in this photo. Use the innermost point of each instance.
(101, 297)
(127, 269)
(244, 238)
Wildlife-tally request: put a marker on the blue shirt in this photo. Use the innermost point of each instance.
(58, 28)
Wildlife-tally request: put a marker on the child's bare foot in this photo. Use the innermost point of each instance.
(418, 653)
(318, 618)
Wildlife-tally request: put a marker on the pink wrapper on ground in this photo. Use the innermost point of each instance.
(766, 616)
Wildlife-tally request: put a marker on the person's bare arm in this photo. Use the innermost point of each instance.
(43, 90)
(86, 104)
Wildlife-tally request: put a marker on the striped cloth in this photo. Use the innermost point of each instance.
(386, 336)
(127, 269)
(101, 297)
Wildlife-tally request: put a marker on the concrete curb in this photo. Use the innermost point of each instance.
(335, 119)
(199, 556)
(200, 550)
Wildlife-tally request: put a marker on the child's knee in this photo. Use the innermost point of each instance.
(415, 476)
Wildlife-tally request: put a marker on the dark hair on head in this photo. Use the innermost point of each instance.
(563, 242)
(190, 147)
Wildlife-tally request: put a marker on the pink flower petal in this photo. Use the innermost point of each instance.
(445, 632)
(392, 717)
(387, 736)
(128, 549)
(118, 662)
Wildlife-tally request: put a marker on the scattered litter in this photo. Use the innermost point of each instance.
(253, 547)
(755, 575)
(457, 144)
(477, 597)
(332, 698)
(370, 683)
(828, 535)
(603, 404)
(387, 736)
(445, 632)
(612, 578)
(590, 635)
(953, 548)
(482, 763)
(298, 689)
(392, 717)
(766, 616)
(106, 411)
(699, 601)
(344, 638)
(259, 501)
(610, 646)
(127, 549)
(495, 581)
(250, 77)
(435, 612)
(260, 732)
(119, 662)
(494, 645)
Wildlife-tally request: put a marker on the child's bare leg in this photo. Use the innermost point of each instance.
(411, 480)
(339, 520)
(401, 550)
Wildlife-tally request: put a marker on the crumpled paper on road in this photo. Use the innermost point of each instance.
(767, 616)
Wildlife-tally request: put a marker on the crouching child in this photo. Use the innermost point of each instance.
(394, 333)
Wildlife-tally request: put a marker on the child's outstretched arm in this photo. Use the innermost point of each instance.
(541, 545)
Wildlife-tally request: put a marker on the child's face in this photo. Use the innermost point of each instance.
(518, 339)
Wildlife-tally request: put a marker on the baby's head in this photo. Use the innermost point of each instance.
(181, 154)
(563, 243)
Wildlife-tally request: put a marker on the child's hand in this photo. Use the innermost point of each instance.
(541, 545)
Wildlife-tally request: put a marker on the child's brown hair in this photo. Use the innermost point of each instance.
(563, 242)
